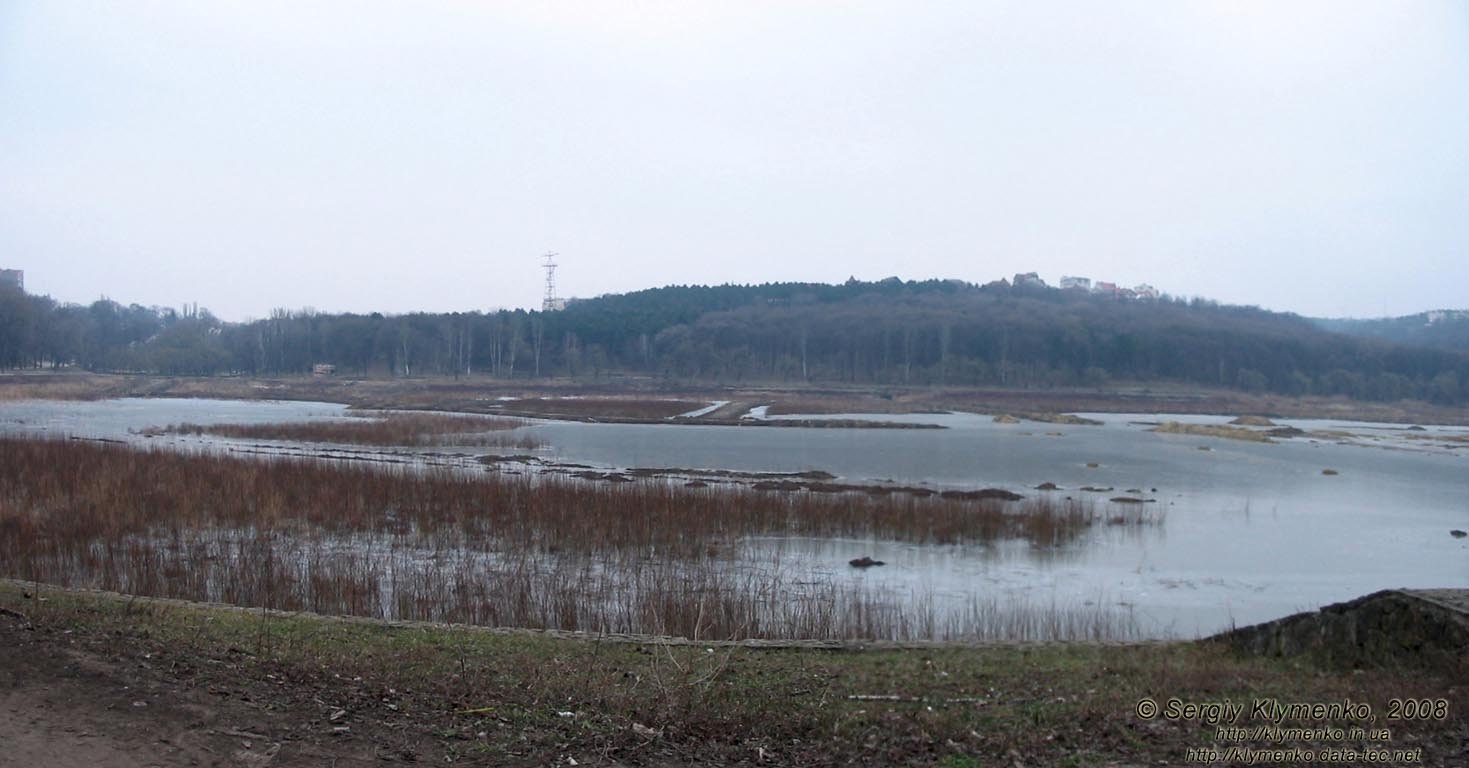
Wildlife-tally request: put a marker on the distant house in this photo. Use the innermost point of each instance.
(1076, 283)
(14, 278)
(323, 369)
(1145, 291)
(1029, 279)
(1103, 286)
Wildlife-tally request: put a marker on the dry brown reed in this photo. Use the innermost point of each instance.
(376, 428)
(433, 544)
(601, 407)
(1213, 430)
(29, 386)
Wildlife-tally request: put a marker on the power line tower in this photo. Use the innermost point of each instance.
(551, 302)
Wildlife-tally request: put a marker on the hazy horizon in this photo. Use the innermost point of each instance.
(369, 157)
(253, 316)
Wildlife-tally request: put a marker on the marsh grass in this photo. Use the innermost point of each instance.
(600, 407)
(385, 428)
(1213, 430)
(647, 557)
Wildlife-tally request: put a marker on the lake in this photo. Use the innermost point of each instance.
(1251, 531)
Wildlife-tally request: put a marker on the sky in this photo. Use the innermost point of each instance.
(1310, 157)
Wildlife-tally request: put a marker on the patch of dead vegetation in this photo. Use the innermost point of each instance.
(374, 428)
(448, 545)
(584, 408)
(1212, 430)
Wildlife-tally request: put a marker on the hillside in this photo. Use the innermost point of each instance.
(1440, 329)
(891, 332)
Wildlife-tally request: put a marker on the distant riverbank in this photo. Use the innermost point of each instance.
(651, 400)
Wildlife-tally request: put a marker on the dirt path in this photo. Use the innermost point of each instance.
(65, 706)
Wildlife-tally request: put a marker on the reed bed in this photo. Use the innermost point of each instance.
(437, 545)
(376, 428)
(845, 403)
(601, 407)
(1213, 430)
(703, 599)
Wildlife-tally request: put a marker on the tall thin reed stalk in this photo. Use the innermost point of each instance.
(442, 545)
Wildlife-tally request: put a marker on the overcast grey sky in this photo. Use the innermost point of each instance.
(1303, 156)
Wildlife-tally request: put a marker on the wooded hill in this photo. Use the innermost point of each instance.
(891, 332)
(1442, 329)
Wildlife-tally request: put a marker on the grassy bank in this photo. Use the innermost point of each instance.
(440, 693)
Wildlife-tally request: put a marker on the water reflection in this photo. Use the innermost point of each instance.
(1253, 530)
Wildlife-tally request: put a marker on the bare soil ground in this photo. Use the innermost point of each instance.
(75, 700)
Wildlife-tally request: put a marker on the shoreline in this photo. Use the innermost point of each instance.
(646, 401)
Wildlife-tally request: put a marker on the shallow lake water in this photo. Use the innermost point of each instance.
(1252, 531)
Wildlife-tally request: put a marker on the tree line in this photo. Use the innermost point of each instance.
(891, 332)
(1444, 329)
